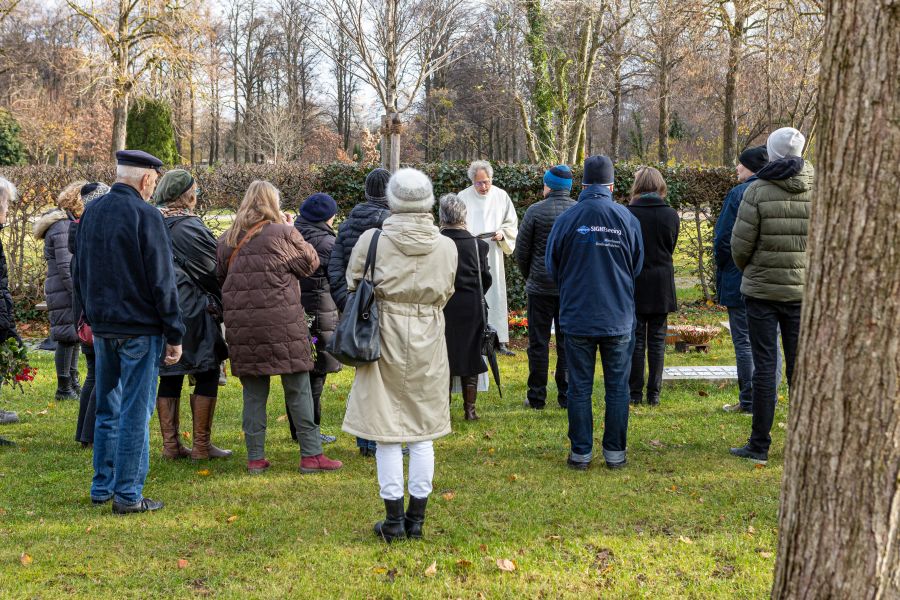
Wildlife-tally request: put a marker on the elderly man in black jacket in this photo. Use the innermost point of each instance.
(543, 296)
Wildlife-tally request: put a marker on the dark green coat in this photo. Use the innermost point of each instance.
(768, 242)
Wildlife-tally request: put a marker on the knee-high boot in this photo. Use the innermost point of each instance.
(203, 407)
(470, 392)
(168, 409)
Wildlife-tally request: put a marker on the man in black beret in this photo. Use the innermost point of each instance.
(126, 285)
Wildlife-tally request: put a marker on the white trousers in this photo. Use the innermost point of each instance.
(389, 461)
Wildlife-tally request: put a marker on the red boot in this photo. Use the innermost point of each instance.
(314, 464)
(257, 466)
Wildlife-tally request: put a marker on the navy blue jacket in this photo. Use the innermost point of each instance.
(594, 254)
(126, 277)
(728, 276)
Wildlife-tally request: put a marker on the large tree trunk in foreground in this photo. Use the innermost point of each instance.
(840, 512)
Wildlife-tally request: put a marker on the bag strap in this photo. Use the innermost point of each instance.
(245, 239)
(480, 287)
(370, 257)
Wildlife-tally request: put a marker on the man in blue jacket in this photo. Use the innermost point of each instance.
(127, 290)
(728, 277)
(594, 253)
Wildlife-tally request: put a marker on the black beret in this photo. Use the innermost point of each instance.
(754, 158)
(137, 158)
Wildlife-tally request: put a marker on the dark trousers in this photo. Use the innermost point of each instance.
(207, 384)
(649, 342)
(87, 405)
(542, 312)
(615, 356)
(763, 319)
(316, 384)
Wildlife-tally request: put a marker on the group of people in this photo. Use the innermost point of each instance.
(149, 295)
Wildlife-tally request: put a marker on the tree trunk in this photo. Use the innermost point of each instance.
(663, 132)
(839, 524)
(729, 126)
(120, 121)
(616, 118)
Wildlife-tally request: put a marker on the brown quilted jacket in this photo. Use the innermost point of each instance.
(265, 325)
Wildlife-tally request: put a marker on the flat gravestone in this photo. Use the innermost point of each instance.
(700, 372)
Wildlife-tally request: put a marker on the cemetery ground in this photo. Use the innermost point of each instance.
(507, 518)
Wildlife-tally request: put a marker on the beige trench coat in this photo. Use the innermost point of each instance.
(403, 396)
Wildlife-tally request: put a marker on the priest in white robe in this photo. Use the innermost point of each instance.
(489, 209)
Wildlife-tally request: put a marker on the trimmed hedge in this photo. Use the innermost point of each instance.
(697, 191)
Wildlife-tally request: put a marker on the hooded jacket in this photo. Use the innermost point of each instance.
(402, 397)
(367, 215)
(728, 276)
(531, 244)
(768, 242)
(53, 228)
(594, 254)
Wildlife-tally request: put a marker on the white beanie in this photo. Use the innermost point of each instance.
(786, 141)
(409, 191)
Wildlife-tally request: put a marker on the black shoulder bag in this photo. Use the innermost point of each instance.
(356, 341)
(490, 341)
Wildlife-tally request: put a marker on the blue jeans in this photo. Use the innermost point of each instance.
(127, 370)
(740, 338)
(363, 443)
(581, 357)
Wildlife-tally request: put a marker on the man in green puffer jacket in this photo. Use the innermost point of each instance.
(768, 244)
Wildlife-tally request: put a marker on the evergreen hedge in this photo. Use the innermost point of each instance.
(697, 191)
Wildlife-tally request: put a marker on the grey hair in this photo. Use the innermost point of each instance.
(7, 192)
(127, 173)
(452, 211)
(480, 165)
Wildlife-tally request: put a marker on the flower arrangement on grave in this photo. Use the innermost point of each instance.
(518, 323)
(696, 335)
(14, 367)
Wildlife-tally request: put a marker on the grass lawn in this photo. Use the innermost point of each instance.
(683, 520)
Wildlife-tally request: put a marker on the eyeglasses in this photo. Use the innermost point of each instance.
(484, 183)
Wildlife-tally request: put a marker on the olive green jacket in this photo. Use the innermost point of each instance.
(768, 242)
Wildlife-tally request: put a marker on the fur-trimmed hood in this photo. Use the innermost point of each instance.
(46, 220)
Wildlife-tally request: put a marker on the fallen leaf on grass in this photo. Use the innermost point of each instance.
(781, 397)
(781, 425)
(504, 564)
(182, 563)
(448, 496)
(759, 466)
(703, 393)
(656, 444)
(490, 450)
(282, 419)
(554, 538)
(431, 571)
(483, 548)
(43, 412)
(186, 435)
(513, 477)
(488, 434)
(25, 559)
(231, 519)
(334, 386)
(751, 529)
(464, 564)
(685, 540)
(203, 472)
(88, 529)
(765, 554)
(379, 570)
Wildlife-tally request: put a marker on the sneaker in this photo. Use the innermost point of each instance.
(327, 439)
(314, 464)
(8, 417)
(736, 408)
(143, 505)
(578, 466)
(760, 458)
(257, 466)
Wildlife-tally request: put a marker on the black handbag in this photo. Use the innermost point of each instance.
(356, 341)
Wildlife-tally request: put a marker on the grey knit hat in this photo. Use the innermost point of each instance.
(91, 191)
(786, 141)
(409, 191)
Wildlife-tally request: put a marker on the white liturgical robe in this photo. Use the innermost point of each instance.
(494, 212)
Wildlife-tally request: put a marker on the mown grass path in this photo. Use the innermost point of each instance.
(683, 520)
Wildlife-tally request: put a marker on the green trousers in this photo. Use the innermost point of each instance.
(299, 401)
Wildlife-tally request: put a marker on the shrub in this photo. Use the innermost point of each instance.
(11, 150)
(150, 129)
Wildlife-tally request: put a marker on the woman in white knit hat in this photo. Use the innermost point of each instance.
(403, 396)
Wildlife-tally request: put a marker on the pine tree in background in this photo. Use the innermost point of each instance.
(150, 129)
(11, 150)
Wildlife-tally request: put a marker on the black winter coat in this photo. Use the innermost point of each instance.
(463, 315)
(531, 245)
(7, 313)
(654, 288)
(53, 228)
(194, 253)
(315, 293)
(367, 215)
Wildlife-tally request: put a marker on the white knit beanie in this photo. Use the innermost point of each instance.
(786, 141)
(409, 191)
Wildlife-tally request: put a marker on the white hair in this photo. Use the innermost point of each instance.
(127, 173)
(7, 192)
(480, 165)
(452, 211)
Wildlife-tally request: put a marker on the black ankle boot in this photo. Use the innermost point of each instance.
(64, 389)
(415, 517)
(392, 527)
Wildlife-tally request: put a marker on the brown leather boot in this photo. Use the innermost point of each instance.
(167, 409)
(470, 392)
(203, 407)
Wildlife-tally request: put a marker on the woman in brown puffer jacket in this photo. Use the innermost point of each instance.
(260, 261)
